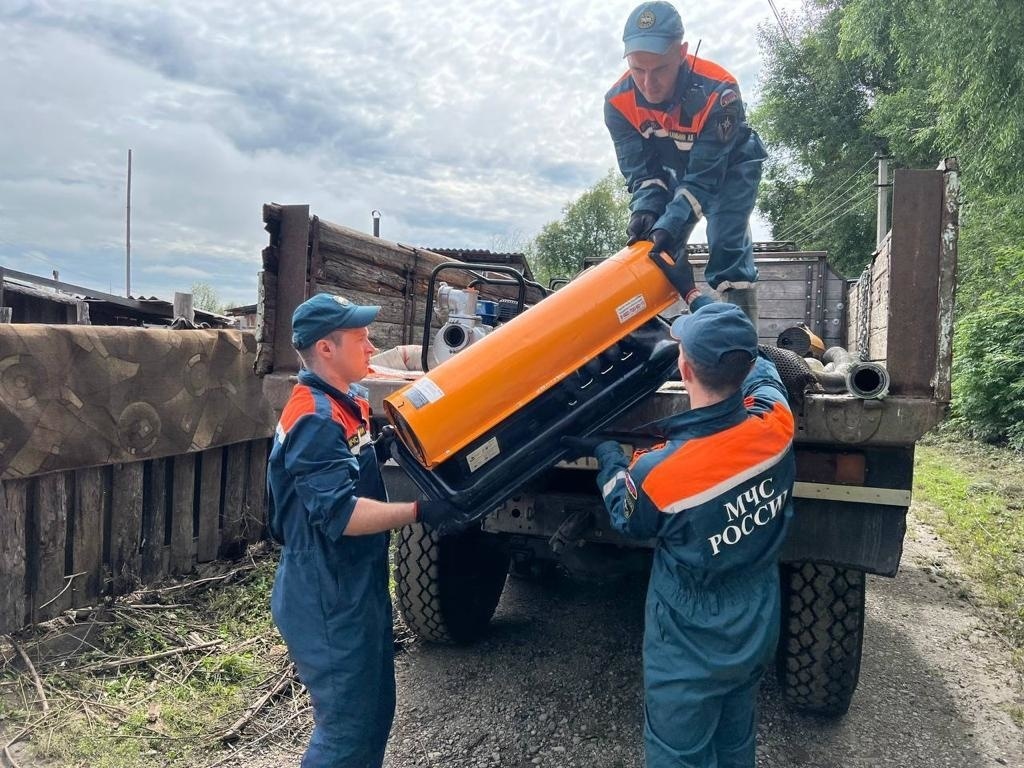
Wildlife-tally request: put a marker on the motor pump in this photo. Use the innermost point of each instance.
(469, 319)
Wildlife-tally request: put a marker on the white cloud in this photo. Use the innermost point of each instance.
(462, 122)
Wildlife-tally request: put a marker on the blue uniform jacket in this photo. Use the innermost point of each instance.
(690, 157)
(330, 598)
(717, 495)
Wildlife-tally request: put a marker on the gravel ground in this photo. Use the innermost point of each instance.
(558, 683)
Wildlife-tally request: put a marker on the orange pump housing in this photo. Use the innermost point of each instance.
(468, 394)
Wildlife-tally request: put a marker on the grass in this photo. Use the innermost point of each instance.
(166, 713)
(973, 496)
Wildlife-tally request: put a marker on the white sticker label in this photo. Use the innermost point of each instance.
(631, 308)
(422, 392)
(483, 454)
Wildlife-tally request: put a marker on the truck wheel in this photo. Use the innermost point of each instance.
(822, 633)
(447, 588)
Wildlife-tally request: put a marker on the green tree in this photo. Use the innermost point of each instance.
(592, 226)
(920, 79)
(204, 296)
(818, 186)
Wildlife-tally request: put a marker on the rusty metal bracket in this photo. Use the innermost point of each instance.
(853, 421)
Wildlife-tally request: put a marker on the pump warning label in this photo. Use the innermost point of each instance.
(480, 456)
(631, 308)
(422, 392)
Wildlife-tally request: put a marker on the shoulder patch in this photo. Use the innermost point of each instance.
(629, 503)
(728, 97)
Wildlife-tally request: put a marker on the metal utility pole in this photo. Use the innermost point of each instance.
(883, 197)
(128, 234)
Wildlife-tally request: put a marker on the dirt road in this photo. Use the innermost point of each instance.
(558, 683)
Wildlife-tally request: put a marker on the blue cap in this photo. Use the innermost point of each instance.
(316, 317)
(713, 330)
(652, 28)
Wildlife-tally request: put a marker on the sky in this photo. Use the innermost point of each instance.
(466, 124)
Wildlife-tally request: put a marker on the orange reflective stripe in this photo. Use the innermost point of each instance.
(626, 102)
(705, 467)
(301, 403)
(711, 70)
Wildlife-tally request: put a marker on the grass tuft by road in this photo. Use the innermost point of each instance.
(973, 496)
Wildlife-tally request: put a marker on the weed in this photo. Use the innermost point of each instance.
(966, 492)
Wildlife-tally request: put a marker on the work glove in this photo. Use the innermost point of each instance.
(577, 447)
(678, 271)
(382, 444)
(442, 517)
(639, 226)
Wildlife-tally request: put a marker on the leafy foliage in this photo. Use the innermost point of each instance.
(920, 80)
(204, 296)
(592, 226)
(989, 360)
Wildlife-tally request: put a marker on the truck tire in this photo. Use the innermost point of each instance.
(447, 588)
(822, 634)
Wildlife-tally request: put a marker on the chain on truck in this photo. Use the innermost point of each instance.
(483, 369)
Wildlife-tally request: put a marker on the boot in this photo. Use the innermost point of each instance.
(745, 299)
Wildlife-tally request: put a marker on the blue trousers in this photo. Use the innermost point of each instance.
(337, 626)
(704, 654)
(730, 245)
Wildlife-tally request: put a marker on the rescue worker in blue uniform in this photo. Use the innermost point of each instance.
(716, 497)
(329, 510)
(686, 151)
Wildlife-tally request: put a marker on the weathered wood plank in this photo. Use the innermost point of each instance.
(292, 275)
(15, 498)
(126, 498)
(236, 476)
(947, 278)
(256, 492)
(92, 504)
(48, 546)
(211, 464)
(183, 495)
(155, 502)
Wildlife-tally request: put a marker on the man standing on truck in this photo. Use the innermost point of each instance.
(717, 498)
(328, 508)
(685, 149)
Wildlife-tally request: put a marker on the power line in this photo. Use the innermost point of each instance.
(818, 206)
(865, 196)
(808, 224)
(848, 201)
(782, 27)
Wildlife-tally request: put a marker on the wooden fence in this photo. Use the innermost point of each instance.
(126, 455)
(69, 538)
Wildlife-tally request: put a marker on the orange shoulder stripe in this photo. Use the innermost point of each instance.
(710, 69)
(301, 403)
(706, 467)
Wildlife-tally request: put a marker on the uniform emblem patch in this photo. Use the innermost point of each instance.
(726, 124)
(646, 20)
(629, 503)
(728, 97)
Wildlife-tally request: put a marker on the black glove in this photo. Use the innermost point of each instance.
(382, 444)
(577, 447)
(639, 226)
(442, 517)
(678, 271)
(661, 240)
